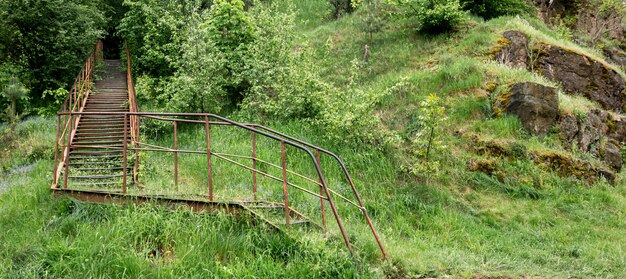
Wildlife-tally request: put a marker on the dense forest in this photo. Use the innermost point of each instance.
(487, 137)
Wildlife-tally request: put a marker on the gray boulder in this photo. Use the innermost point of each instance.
(537, 106)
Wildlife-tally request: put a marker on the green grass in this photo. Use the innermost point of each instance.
(523, 221)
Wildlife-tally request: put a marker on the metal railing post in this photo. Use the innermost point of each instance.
(136, 166)
(68, 150)
(285, 190)
(254, 165)
(125, 167)
(175, 156)
(207, 129)
(319, 165)
(56, 151)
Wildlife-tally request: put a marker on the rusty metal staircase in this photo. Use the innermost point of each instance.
(98, 146)
(93, 164)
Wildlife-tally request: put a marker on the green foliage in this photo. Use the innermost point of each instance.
(494, 8)
(283, 76)
(373, 21)
(57, 98)
(426, 136)
(433, 16)
(341, 7)
(154, 32)
(14, 92)
(51, 39)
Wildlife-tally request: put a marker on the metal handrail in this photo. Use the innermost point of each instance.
(75, 101)
(283, 139)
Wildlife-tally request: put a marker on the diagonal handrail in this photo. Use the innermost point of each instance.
(77, 100)
(276, 136)
(74, 102)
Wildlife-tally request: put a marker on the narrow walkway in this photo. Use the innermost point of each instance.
(92, 166)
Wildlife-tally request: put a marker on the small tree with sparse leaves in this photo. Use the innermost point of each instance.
(425, 137)
(14, 92)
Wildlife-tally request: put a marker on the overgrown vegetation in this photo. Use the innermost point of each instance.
(419, 107)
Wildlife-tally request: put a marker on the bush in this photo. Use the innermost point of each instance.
(153, 30)
(494, 8)
(434, 16)
(341, 7)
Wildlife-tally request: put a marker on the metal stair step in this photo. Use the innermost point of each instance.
(95, 176)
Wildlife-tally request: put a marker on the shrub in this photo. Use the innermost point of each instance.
(494, 8)
(434, 16)
(341, 7)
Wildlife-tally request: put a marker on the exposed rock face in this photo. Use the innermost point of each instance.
(591, 19)
(616, 56)
(588, 134)
(551, 11)
(594, 22)
(537, 106)
(581, 75)
(567, 166)
(514, 50)
(612, 155)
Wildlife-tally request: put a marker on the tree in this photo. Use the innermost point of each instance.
(50, 38)
(372, 21)
(14, 92)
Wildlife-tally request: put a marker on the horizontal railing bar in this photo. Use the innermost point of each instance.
(273, 165)
(243, 126)
(218, 123)
(344, 198)
(268, 175)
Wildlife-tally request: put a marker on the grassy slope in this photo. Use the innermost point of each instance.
(532, 223)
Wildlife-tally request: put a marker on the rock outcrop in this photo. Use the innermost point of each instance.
(597, 132)
(616, 56)
(513, 50)
(590, 19)
(536, 106)
(582, 75)
(568, 166)
(611, 154)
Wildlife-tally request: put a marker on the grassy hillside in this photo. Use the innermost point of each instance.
(523, 220)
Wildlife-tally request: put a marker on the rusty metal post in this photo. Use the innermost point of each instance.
(136, 166)
(319, 165)
(125, 167)
(68, 148)
(285, 190)
(369, 223)
(207, 129)
(175, 156)
(56, 150)
(254, 165)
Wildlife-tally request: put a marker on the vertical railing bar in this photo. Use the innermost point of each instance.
(125, 162)
(175, 156)
(285, 189)
(67, 158)
(207, 128)
(254, 190)
(56, 151)
(319, 165)
(136, 167)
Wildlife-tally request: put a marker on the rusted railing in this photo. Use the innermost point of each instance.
(74, 102)
(69, 116)
(134, 120)
(325, 194)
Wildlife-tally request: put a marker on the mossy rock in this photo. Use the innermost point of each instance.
(567, 166)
